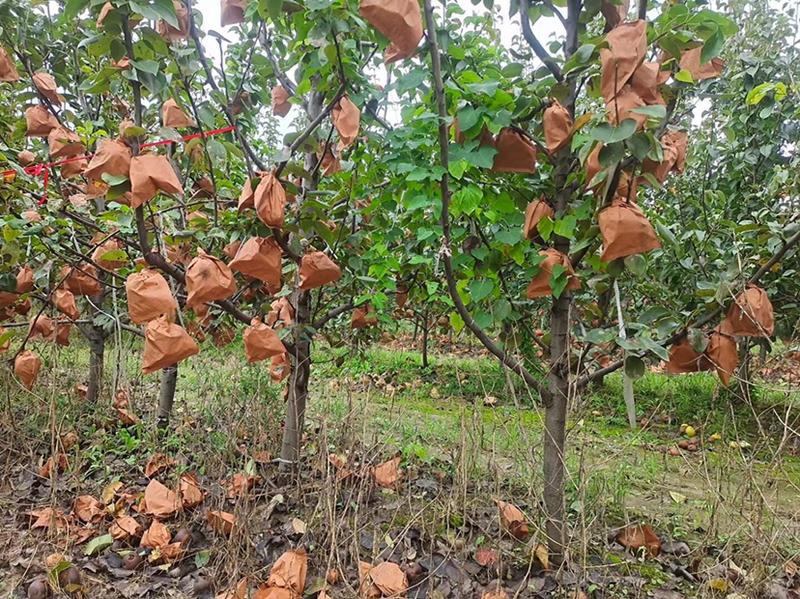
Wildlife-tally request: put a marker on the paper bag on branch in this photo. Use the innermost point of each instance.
(173, 116)
(232, 12)
(261, 342)
(540, 284)
(400, 21)
(279, 367)
(627, 45)
(626, 231)
(722, 352)
(260, 258)
(26, 368)
(515, 153)
(346, 117)
(270, 201)
(62, 333)
(63, 142)
(316, 270)
(39, 121)
(751, 314)
(280, 101)
(46, 85)
(208, 279)
(24, 280)
(64, 301)
(165, 344)
(281, 313)
(614, 14)
(363, 317)
(690, 61)
(536, 211)
(81, 280)
(151, 173)
(683, 358)
(170, 33)
(8, 70)
(113, 157)
(557, 124)
(246, 197)
(149, 297)
(41, 327)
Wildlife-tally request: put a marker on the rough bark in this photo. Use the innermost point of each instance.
(166, 395)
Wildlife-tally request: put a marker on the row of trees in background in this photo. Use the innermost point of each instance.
(650, 185)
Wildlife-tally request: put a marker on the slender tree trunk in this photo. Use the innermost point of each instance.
(425, 327)
(166, 395)
(297, 397)
(97, 348)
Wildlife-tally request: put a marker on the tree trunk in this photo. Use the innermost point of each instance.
(425, 327)
(166, 395)
(297, 396)
(97, 348)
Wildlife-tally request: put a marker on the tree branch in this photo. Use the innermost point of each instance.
(446, 251)
(534, 43)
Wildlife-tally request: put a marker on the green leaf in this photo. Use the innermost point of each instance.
(712, 47)
(558, 280)
(468, 118)
(657, 111)
(665, 233)
(565, 227)
(202, 558)
(98, 544)
(480, 289)
(146, 66)
(466, 200)
(637, 264)
(639, 145)
(634, 367)
(611, 154)
(274, 8)
(684, 76)
(113, 180)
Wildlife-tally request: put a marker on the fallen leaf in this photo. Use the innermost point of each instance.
(126, 417)
(121, 398)
(677, 497)
(389, 579)
(512, 519)
(486, 557)
(172, 552)
(339, 463)
(88, 509)
(237, 592)
(387, 474)
(68, 440)
(191, 494)
(125, 528)
(58, 464)
(265, 592)
(295, 526)
(98, 544)
(240, 484)
(157, 463)
(48, 517)
(719, 584)
(109, 491)
(289, 571)
(498, 594)
(81, 390)
(159, 501)
(81, 535)
(542, 556)
(156, 536)
(222, 522)
(366, 589)
(636, 537)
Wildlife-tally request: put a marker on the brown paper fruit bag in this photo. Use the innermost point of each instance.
(113, 157)
(260, 258)
(626, 231)
(81, 280)
(208, 279)
(261, 342)
(149, 297)
(540, 284)
(515, 153)
(170, 33)
(232, 249)
(557, 124)
(62, 333)
(73, 168)
(39, 121)
(690, 61)
(722, 352)
(536, 211)
(24, 280)
(8, 70)
(247, 197)
(26, 368)
(280, 101)
(363, 317)
(622, 107)
(281, 313)
(105, 255)
(165, 344)
(151, 173)
(645, 83)
(627, 45)
(751, 314)
(63, 142)
(232, 12)
(279, 367)
(330, 163)
(46, 85)
(270, 201)
(64, 301)
(41, 327)
(683, 358)
(316, 270)
(173, 116)
(400, 21)
(346, 117)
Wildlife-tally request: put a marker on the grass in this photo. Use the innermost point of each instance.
(723, 500)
